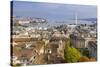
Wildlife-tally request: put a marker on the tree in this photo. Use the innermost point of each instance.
(84, 52)
(16, 24)
(92, 59)
(86, 59)
(70, 53)
(83, 59)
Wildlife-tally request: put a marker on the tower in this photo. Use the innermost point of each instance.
(76, 19)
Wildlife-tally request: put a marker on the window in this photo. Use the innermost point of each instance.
(49, 51)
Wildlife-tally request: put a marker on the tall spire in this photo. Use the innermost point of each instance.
(76, 18)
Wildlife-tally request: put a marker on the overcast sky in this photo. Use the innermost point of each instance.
(52, 11)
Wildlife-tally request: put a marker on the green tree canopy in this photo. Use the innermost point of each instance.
(70, 53)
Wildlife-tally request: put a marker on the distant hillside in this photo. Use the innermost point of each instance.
(90, 19)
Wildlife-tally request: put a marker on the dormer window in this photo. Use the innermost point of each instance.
(34, 57)
(49, 51)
